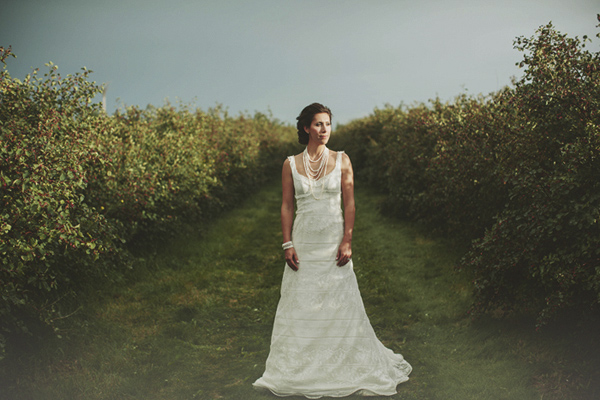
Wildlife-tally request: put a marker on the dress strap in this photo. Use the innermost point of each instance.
(293, 165)
(338, 161)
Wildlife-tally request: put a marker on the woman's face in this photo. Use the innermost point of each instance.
(319, 129)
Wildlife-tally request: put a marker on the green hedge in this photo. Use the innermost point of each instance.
(517, 171)
(78, 185)
(171, 165)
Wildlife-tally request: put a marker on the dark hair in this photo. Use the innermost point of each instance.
(305, 119)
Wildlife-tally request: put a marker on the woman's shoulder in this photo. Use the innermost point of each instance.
(345, 157)
(290, 160)
(291, 157)
(346, 165)
(295, 158)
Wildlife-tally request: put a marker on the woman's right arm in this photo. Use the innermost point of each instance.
(287, 213)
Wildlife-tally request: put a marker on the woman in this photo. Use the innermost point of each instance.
(323, 343)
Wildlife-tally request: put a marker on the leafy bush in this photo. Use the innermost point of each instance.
(77, 185)
(543, 252)
(50, 236)
(437, 163)
(169, 163)
(517, 170)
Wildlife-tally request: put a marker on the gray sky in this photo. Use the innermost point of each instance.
(281, 55)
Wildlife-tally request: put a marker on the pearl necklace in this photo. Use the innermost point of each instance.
(314, 174)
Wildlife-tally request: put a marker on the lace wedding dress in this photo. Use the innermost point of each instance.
(322, 342)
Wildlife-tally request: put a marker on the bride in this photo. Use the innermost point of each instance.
(322, 342)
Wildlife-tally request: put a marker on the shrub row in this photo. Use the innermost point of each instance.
(517, 172)
(78, 185)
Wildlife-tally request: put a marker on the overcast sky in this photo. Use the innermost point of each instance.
(281, 55)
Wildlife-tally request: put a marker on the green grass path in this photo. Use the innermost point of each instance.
(197, 323)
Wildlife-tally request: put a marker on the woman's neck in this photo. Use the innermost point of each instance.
(314, 149)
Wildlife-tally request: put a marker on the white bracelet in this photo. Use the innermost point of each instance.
(287, 245)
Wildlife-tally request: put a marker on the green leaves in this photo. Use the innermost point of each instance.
(76, 184)
(517, 170)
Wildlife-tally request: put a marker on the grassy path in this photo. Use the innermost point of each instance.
(197, 324)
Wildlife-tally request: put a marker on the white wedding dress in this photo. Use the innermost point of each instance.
(322, 342)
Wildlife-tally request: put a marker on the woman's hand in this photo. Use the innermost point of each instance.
(291, 259)
(344, 254)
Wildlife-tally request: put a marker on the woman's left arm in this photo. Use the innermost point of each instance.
(345, 250)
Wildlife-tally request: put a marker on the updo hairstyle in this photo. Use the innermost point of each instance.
(305, 119)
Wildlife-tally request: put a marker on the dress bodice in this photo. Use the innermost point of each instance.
(325, 197)
(319, 224)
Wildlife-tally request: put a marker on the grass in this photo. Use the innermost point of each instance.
(196, 322)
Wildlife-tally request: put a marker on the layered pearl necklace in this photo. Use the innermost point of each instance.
(314, 174)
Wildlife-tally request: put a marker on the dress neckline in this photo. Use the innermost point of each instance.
(337, 161)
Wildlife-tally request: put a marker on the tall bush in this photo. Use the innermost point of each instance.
(543, 252)
(50, 237)
(517, 170)
(172, 165)
(78, 185)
